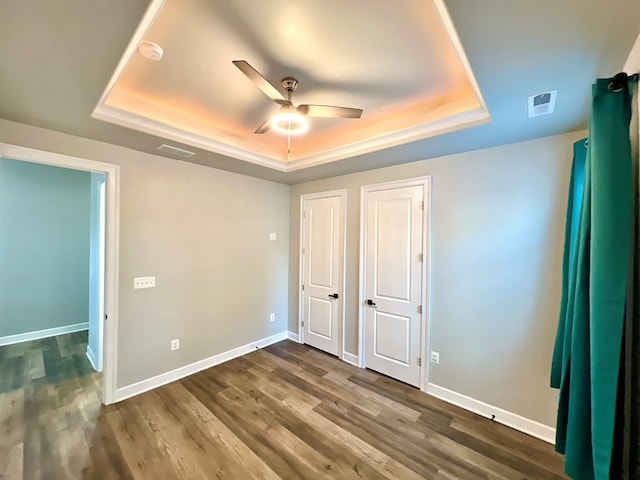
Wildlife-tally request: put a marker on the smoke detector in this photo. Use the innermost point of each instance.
(542, 103)
(151, 50)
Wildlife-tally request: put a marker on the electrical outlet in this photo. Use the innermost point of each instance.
(272, 317)
(435, 357)
(272, 236)
(175, 344)
(144, 282)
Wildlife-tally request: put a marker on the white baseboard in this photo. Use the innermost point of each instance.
(92, 358)
(173, 375)
(293, 336)
(49, 332)
(350, 358)
(515, 421)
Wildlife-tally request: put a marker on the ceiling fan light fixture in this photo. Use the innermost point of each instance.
(289, 122)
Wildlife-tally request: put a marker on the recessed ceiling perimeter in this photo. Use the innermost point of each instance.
(401, 62)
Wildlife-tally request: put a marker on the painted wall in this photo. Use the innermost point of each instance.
(44, 247)
(204, 235)
(497, 227)
(497, 235)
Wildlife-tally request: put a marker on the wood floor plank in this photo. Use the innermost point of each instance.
(370, 432)
(285, 412)
(12, 422)
(358, 392)
(334, 456)
(11, 462)
(34, 365)
(66, 345)
(142, 453)
(386, 465)
(312, 387)
(183, 442)
(11, 373)
(501, 456)
(501, 437)
(262, 445)
(106, 457)
(213, 437)
(306, 365)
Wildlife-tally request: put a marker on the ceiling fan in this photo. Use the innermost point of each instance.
(291, 119)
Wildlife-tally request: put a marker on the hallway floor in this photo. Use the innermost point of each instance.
(49, 360)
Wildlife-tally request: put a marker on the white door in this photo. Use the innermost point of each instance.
(322, 272)
(393, 282)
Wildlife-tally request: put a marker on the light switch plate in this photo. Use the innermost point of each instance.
(144, 282)
(272, 236)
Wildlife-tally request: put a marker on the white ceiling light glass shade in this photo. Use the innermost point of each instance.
(289, 120)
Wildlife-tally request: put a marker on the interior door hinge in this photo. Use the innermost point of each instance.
(304, 214)
(303, 251)
(303, 287)
(419, 361)
(421, 257)
(302, 323)
(422, 205)
(420, 309)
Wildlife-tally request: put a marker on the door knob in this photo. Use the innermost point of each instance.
(335, 295)
(371, 303)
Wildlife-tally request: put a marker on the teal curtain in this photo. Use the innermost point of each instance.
(596, 274)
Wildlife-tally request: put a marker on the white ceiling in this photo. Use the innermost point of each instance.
(58, 57)
(401, 62)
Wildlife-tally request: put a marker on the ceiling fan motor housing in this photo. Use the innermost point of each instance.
(290, 84)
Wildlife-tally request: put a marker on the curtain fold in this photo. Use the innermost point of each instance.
(632, 335)
(597, 270)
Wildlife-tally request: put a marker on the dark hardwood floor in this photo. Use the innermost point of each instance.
(284, 412)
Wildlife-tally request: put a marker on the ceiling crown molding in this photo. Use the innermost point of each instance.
(460, 114)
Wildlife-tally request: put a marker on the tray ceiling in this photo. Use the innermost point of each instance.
(401, 62)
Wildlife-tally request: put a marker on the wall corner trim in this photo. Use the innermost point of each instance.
(171, 376)
(512, 420)
(293, 336)
(350, 358)
(92, 358)
(46, 333)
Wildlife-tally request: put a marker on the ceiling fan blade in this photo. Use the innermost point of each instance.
(262, 83)
(264, 128)
(329, 111)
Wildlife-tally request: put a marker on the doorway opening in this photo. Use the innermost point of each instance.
(74, 276)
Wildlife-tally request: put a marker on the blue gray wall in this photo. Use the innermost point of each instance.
(44, 247)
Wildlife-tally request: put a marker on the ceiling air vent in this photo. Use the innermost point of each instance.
(175, 151)
(542, 104)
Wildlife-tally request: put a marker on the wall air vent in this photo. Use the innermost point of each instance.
(175, 151)
(542, 104)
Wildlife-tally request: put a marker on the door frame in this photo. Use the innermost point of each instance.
(425, 337)
(342, 262)
(112, 247)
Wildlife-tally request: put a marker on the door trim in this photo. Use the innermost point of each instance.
(313, 196)
(425, 337)
(112, 244)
